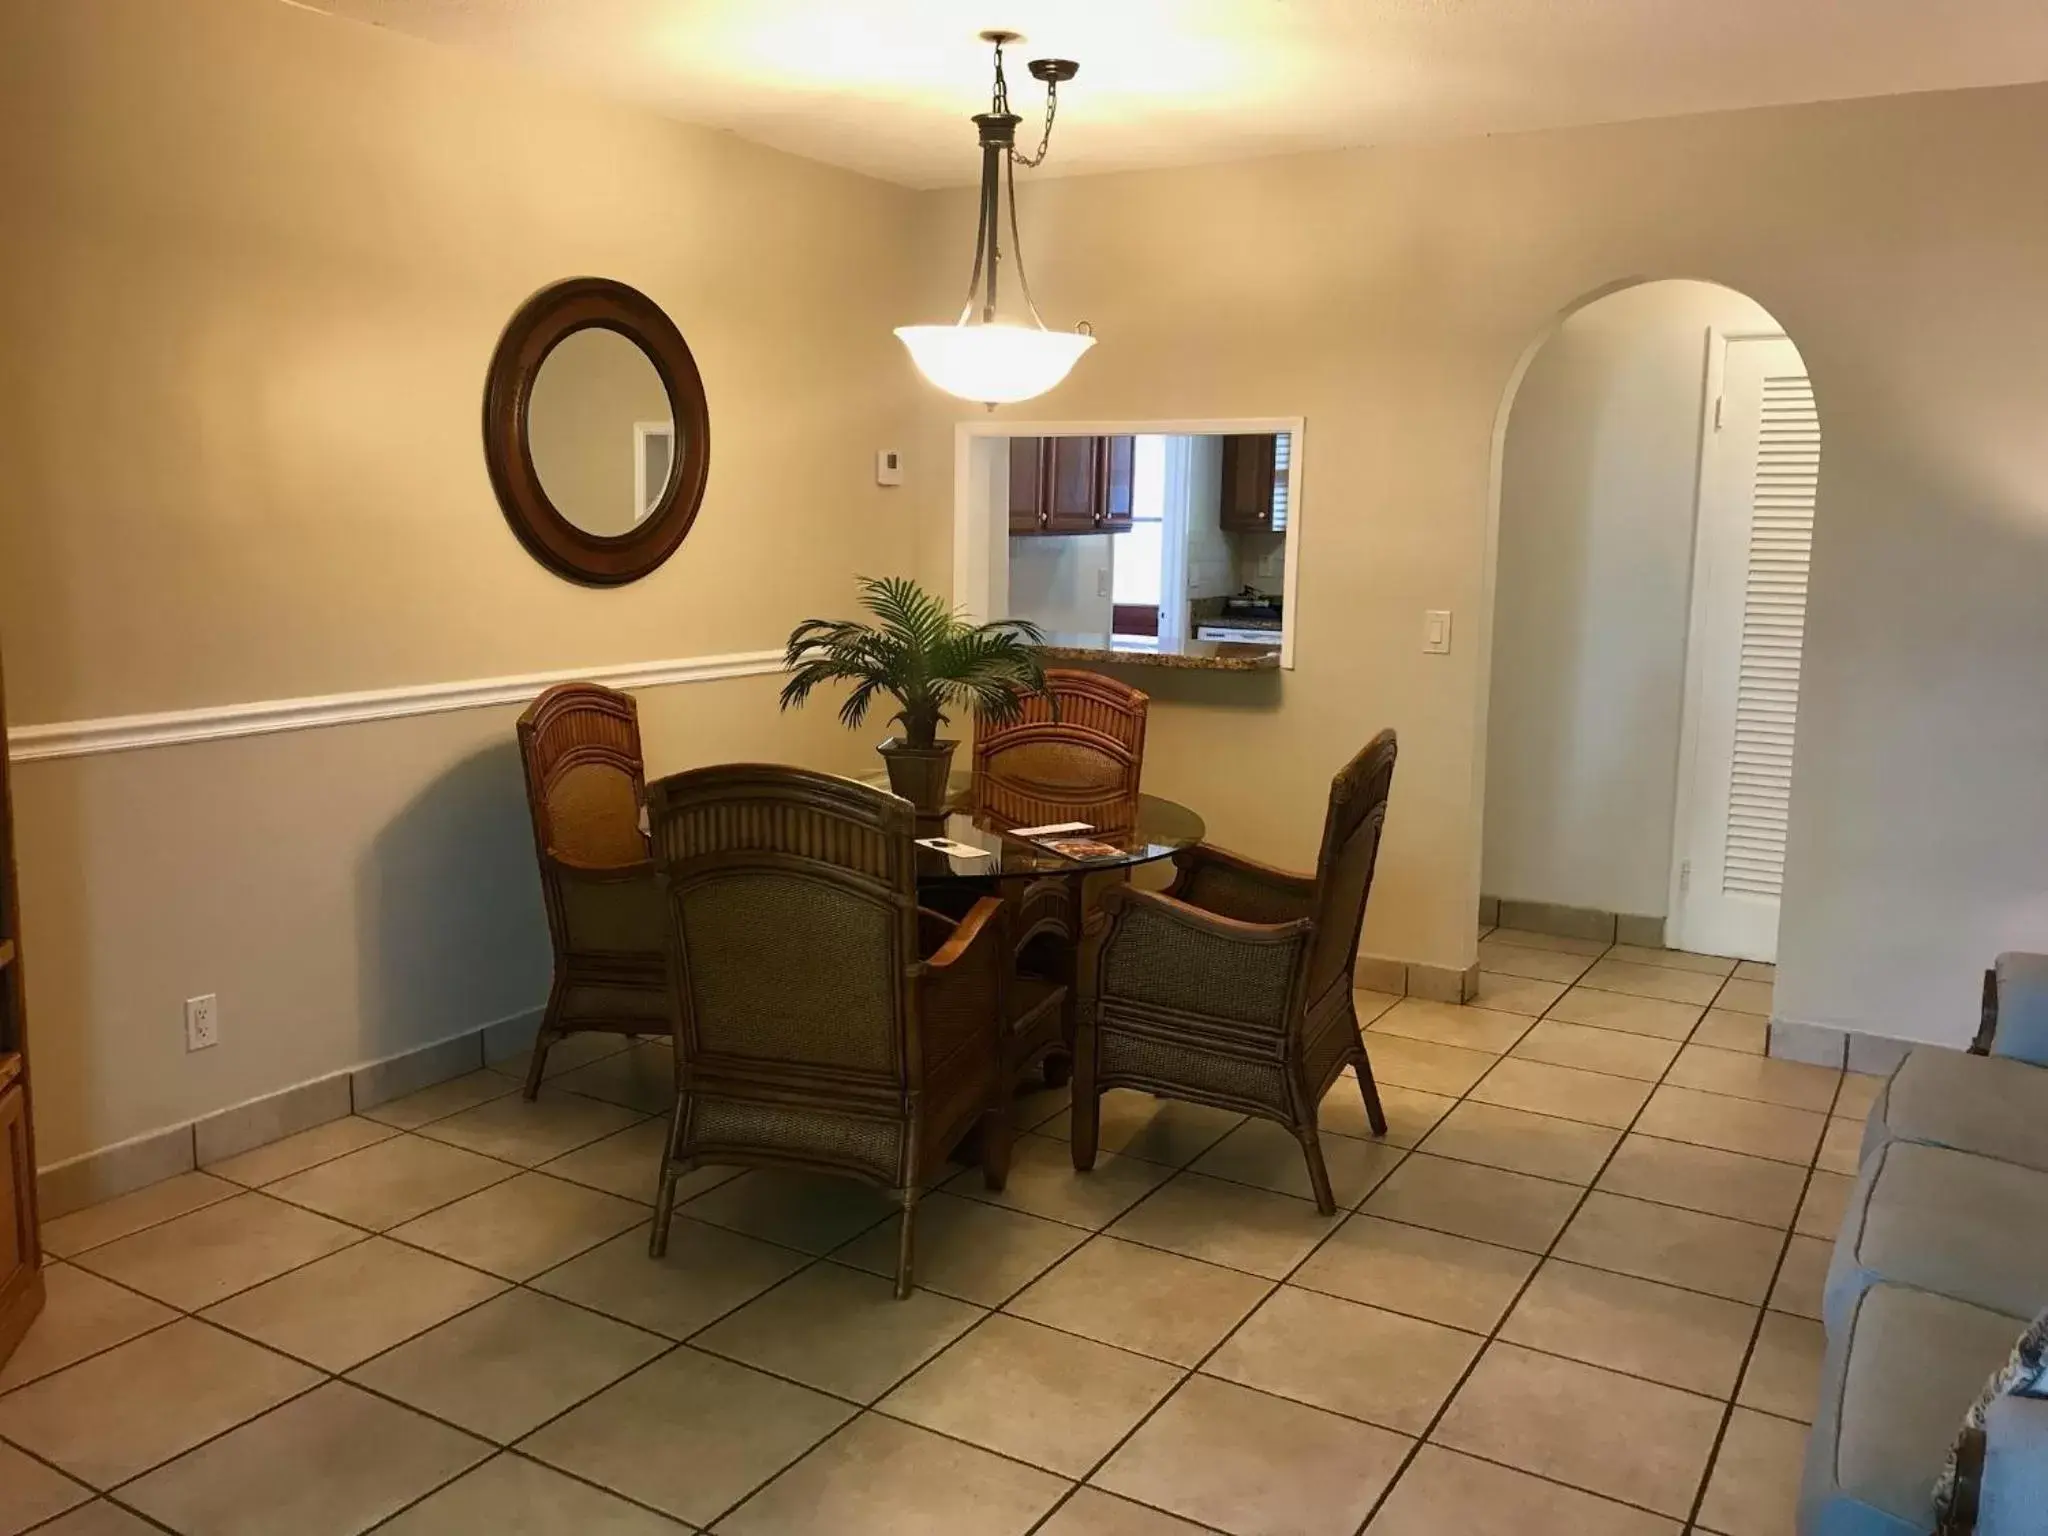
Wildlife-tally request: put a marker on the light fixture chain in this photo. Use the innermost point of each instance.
(1052, 107)
(1000, 103)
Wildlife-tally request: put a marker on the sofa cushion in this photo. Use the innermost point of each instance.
(1986, 1104)
(1897, 1379)
(1944, 1221)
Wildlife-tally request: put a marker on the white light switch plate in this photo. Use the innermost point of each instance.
(1436, 631)
(888, 466)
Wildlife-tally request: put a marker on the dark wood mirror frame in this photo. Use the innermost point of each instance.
(542, 321)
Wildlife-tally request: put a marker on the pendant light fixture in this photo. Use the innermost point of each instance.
(982, 356)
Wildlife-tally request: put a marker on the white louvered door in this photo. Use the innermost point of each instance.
(1759, 468)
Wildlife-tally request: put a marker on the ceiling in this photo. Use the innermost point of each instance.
(885, 86)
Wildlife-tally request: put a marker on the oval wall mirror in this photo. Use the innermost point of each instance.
(596, 431)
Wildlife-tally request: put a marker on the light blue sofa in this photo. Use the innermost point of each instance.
(1942, 1260)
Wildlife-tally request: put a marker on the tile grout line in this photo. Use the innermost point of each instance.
(1188, 1373)
(832, 1256)
(874, 1408)
(180, 1313)
(1073, 1484)
(367, 1234)
(1500, 1321)
(674, 1346)
(326, 1376)
(813, 1260)
(1756, 1332)
(1274, 1289)
(1508, 1311)
(1196, 1369)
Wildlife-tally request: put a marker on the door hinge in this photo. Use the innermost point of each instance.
(1684, 876)
(1720, 401)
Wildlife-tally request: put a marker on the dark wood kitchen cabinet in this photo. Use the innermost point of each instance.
(1062, 485)
(1119, 463)
(1073, 485)
(21, 1276)
(1249, 478)
(1027, 484)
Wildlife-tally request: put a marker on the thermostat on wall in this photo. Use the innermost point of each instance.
(888, 466)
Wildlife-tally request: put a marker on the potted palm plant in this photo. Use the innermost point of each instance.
(927, 658)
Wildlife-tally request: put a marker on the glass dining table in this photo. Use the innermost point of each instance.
(950, 882)
(1160, 828)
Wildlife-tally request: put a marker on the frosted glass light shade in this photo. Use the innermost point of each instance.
(993, 363)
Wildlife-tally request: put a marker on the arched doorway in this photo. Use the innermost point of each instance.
(1656, 475)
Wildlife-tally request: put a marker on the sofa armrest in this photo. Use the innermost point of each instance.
(2012, 1490)
(2021, 983)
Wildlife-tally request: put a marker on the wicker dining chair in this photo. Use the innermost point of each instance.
(580, 747)
(1075, 753)
(1233, 987)
(825, 1021)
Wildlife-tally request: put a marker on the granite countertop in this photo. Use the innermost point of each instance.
(1144, 651)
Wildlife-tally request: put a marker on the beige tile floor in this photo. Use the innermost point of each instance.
(1574, 1291)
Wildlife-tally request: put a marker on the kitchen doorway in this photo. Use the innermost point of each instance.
(1167, 539)
(1657, 470)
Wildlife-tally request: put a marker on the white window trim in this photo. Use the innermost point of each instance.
(979, 555)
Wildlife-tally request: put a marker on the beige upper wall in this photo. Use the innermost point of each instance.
(254, 265)
(1389, 297)
(256, 262)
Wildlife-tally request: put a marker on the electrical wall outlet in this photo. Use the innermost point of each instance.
(202, 1022)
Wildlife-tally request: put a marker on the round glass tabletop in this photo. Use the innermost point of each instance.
(1162, 828)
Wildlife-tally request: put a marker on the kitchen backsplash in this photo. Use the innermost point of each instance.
(1261, 560)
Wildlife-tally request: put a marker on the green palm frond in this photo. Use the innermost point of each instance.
(921, 653)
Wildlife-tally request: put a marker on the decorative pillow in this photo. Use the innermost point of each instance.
(2024, 1374)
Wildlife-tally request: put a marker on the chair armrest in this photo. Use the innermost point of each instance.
(1217, 880)
(2012, 1489)
(982, 924)
(934, 929)
(2020, 988)
(960, 993)
(1198, 919)
(1156, 952)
